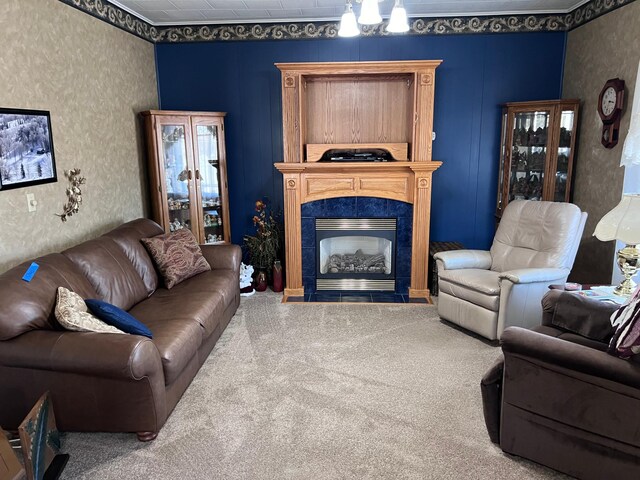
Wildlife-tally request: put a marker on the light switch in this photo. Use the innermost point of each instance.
(31, 202)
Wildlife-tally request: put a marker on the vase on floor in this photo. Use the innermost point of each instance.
(261, 280)
(278, 284)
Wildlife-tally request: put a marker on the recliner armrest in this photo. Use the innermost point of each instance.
(534, 275)
(225, 256)
(110, 355)
(568, 355)
(459, 259)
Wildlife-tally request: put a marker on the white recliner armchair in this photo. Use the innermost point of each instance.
(535, 246)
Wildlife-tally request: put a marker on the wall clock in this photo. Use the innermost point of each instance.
(610, 105)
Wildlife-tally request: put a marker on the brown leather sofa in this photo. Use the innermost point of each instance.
(111, 382)
(557, 397)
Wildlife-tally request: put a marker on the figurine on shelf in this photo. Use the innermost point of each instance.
(175, 225)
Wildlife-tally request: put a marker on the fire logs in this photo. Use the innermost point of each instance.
(358, 262)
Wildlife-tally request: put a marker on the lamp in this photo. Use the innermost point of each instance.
(369, 13)
(348, 23)
(398, 22)
(623, 223)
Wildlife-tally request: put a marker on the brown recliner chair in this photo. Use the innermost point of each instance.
(558, 398)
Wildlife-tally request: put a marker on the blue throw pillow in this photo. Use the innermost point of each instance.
(117, 317)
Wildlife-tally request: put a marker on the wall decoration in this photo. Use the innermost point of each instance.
(26, 148)
(329, 29)
(74, 194)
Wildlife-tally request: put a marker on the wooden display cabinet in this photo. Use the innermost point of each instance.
(188, 172)
(537, 151)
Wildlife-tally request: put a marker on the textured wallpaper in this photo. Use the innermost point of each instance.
(604, 48)
(94, 79)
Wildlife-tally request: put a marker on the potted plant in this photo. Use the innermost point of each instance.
(264, 246)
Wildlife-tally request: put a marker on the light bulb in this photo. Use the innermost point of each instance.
(348, 24)
(369, 13)
(398, 22)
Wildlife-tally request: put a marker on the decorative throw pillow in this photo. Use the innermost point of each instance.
(71, 312)
(626, 341)
(177, 256)
(118, 318)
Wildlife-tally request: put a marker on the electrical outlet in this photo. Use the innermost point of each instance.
(31, 202)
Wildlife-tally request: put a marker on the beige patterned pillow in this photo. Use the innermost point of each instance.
(72, 313)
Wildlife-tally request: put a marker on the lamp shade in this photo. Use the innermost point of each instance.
(622, 223)
(348, 23)
(398, 22)
(369, 13)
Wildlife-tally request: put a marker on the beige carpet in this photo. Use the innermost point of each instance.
(321, 391)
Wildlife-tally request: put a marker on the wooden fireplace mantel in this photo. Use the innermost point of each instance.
(353, 104)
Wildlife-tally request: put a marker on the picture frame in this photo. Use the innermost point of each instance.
(26, 148)
(40, 442)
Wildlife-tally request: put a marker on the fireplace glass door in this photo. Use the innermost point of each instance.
(355, 254)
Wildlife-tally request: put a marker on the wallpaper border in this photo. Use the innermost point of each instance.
(116, 16)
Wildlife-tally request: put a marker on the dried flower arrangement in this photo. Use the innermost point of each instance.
(74, 193)
(264, 247)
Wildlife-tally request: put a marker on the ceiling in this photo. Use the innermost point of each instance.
(181, 12)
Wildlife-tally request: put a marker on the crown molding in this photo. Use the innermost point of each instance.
(444, 25)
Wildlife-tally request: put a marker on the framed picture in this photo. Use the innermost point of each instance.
(40, 442)
(26, 148)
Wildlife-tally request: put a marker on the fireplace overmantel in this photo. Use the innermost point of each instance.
(353, 105)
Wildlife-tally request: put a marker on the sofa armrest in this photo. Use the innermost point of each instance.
(534, 275)
(458, 259)
(109, 355)
(555, 352)
(227, 256)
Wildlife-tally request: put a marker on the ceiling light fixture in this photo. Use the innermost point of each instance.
(370, 15)
(398, 22)
(348, 23)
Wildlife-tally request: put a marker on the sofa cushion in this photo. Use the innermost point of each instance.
(117, 317)
(202, 299)
(111, 273)
(128, 237)
(72, 313)
(30, 305)
(480, 287)
(176, 333)
(177, 256)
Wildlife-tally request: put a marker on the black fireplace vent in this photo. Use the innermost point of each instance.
(357, 155)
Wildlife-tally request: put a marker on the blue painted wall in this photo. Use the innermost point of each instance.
(478, 74)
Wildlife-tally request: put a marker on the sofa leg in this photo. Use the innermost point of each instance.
(147, 436)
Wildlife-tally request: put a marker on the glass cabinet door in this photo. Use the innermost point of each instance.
(529, 154)
(565, 143)
(207, 135)
(175, 145)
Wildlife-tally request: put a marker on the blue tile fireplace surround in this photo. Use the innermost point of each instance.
(357, 207)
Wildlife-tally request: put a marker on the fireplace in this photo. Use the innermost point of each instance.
(357, 105)
(355, 254)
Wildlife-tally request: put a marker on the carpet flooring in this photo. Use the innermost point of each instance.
(321, 391)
